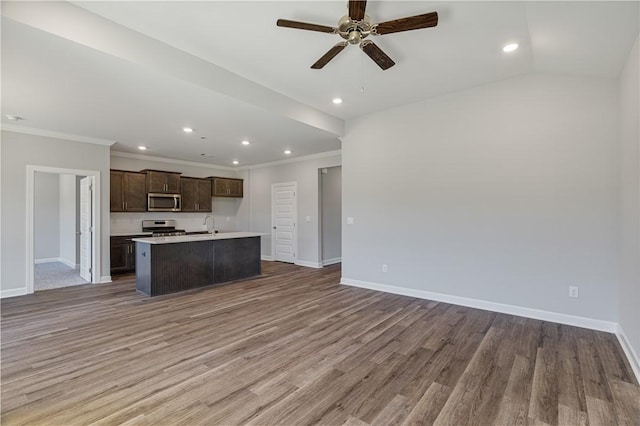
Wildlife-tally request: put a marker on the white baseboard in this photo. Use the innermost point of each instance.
(48, 260)
(331, 261)
(521, 311)
(308, 264)
(13, 292)
(631, 354)
(105, 279)
(267, 258)
(67, 262)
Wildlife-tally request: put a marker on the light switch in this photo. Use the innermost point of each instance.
(349, 221)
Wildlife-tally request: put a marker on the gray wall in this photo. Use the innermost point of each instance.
(68, 208)
(331, 201)
(19, 150)
(505, 193)
(46, 216)
(305, 174)
(630, 202)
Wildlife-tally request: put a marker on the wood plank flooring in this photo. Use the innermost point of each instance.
(294, 347)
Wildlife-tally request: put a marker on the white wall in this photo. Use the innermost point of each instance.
(46, 217)
(67, 220)
(19, 150)
(630, 201)
(505, 193)
(331, 207)
(225, 210)
(305, 174)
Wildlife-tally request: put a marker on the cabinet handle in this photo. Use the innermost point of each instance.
(123, 205)
(126, 205)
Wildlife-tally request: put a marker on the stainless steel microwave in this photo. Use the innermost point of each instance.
(164, 202)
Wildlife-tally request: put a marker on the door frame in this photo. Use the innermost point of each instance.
(95, 216)
(274, 186)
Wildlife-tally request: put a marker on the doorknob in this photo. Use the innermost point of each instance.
(274, 227)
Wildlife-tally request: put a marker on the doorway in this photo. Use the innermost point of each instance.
(284, 236)
(63, 232)
(330, 215)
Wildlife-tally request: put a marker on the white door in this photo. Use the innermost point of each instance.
(283, 234)
(86, 228)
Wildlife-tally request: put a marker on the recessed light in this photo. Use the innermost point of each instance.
(187, 129)
(142, 148)
(287, 151)
(510, 47)
(337, 101)
(13, 117)
(236, 162)
(246, 142)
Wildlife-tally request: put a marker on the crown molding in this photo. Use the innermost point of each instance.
(296, 159)
(171, 161)
(56, 135)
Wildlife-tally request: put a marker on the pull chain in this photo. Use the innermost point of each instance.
(362, 72)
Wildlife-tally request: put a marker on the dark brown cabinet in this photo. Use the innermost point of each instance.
(128, 191)
(196, 194)
(162, 182)
(123, 255)
(227, 187)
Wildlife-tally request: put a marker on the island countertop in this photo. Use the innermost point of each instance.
(197, 237)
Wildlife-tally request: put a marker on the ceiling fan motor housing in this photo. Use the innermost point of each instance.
(354, 31)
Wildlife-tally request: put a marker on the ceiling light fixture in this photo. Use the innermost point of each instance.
(337, 101)
(187, 129)
(287, 151)
(142, 148)
(510, 47)
(235, 162)
(13, 117)
(245, 143)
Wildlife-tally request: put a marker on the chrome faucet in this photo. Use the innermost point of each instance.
(206, 218)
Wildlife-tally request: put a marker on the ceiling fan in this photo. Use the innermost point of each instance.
(355, 27)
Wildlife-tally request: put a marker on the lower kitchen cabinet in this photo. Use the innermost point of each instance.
(123, 254)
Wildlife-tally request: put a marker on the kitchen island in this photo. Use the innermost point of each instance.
(171, 264)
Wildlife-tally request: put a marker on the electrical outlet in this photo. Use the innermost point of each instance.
(573, 292)
(384, 267)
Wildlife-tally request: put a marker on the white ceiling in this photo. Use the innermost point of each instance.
(69, 83)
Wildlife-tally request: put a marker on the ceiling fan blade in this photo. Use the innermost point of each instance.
(356, 9)
(324, 60)
(305, 26)
(417, 22)
(375, 53)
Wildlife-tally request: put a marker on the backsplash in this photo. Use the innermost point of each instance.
(132, 222)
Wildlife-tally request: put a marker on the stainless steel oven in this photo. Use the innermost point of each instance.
(163, 202)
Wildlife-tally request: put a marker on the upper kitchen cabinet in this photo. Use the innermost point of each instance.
(162, 182)
(196, 194)
(128, 191)
(227, 187)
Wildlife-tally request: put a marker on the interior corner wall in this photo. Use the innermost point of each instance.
(305, 174)
(331, 197)
(67, 224)
(20, 150)
(46, 217)
(629, 302)
(505, 193)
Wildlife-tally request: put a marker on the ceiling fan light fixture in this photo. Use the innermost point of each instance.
(510, 47)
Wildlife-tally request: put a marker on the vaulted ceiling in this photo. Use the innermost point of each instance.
(138, 72)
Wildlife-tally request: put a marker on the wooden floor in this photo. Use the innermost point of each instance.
(294, 347)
